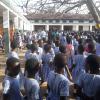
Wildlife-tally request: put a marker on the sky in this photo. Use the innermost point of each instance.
(33, 4)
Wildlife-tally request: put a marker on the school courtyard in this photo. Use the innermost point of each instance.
(28, 21)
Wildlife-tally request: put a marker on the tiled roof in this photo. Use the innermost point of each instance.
(59, 16)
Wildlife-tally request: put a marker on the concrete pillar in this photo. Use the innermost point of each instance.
(33, 27)
(74, 27)
(85, 28)
(77, 27)
(6, 26)
(20, 24)
(16, 23)
(90, 27)
(47, 27)
(25, 27)
(62, 27)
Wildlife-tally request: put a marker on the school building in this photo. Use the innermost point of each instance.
(11, 21)
(67, 22)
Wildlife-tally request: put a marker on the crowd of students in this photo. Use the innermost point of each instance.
(68, 64)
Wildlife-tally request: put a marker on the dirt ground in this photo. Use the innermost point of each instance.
(3, 65)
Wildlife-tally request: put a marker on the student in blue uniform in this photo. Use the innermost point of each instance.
(31, 85)
(56, 48)
(78, 63)
(33, 53)
(28, 46)
(89, 82)
(13, 52)
(46, 60)
(63, 50)
(98, 46)
(11, 84)
(58, 86)
(63, 40)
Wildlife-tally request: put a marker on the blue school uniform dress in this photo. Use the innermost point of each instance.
(46, 68)
(32, 89)
(11, 86)
(89, 83)
(58, 86)
(79, 61)
(98, 49)
(63, 40)
(56, 50)
(27, 54)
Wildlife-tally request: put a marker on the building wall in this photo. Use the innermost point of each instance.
(75, 25)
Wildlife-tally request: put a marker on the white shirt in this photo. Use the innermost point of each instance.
(13, 54)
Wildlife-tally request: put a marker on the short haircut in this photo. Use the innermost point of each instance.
(62, 48)
(47, 47)
(28, 46)
(80, 48)
(93, 61)
(59, 60)
(31, 66)
(34, 47)
(13, 66)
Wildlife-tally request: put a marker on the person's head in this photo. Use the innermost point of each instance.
(34, 42)
(32, 66)
(28, 46)
(34, 48)
(92, 64)
(47, 48)
(40, 42)
(60, 62)
(80, 49)
(44, 40)
(13, 45)
(91, 48)
(13, 66)
(62, 49)
(69, 40)
(57, 43)
(81, 41)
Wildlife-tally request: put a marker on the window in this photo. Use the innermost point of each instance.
(64, 20)
(43, 20)
(70, 21)
(57, 21)
(81, 21)
(90, 21)
(50, 21)
(36, 21)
